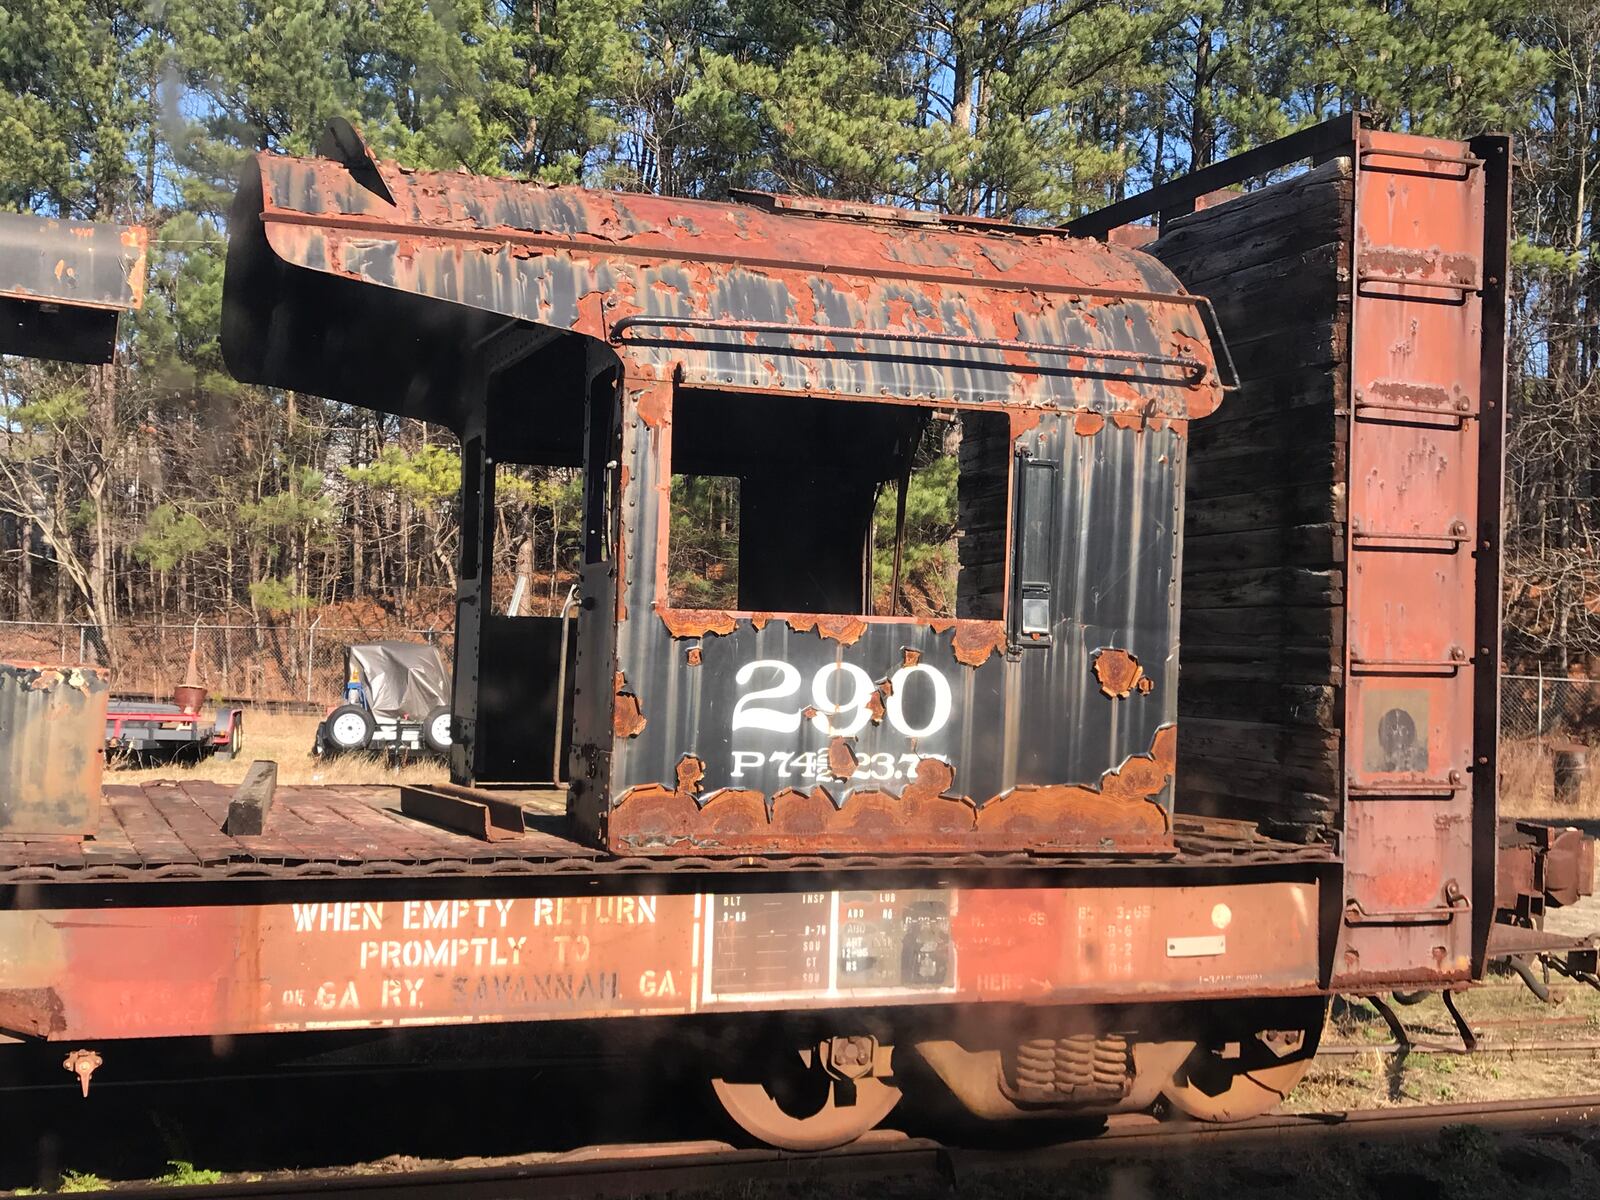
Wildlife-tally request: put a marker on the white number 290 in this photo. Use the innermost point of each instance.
(840, 716)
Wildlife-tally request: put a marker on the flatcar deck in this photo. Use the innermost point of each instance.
(165, 831)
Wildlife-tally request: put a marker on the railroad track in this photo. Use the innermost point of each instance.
(630, 1170)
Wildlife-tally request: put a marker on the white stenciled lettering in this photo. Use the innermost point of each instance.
(349, 917)
(422, 953)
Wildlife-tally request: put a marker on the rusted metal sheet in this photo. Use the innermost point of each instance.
(63, 284)
(52, 738)
(1033, 750)
(1418, 671)
(91, 974)
(720, 294)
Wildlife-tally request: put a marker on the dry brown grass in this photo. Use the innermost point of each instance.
(1527, 783)
(286, 739)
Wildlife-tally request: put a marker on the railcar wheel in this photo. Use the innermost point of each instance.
(795, 1105)
(1249, 1077)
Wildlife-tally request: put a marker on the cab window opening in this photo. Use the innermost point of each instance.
(837, 507)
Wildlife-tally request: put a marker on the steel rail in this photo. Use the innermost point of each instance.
(661, 1167)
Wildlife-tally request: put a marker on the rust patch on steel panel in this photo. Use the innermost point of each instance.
(697, 622)
(1087, 424)
(1119, 673)
(653, 404)
(694, 656)
(798, 815)
(628, 719)
(975, 641)
(846, 631)
(842, 761)
(928, 816)
(733, 813)
(1420, 263)
(1123, 813)
(909, 657)
(32, 1012)
(691, 770)
(877, 702)
(1413, 395)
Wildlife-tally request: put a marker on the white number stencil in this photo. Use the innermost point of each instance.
(894, 709)
(829, 710)
(837, 716)
(748, 715)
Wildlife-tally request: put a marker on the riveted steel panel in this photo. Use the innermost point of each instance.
(1415, 673)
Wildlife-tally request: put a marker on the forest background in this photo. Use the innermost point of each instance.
(158, 490)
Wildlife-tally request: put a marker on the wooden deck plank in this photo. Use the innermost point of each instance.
(156, 842)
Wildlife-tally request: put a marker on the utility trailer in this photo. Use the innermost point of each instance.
(837, 848)
(136, 727)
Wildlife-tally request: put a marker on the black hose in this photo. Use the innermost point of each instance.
(1535, 985)
(1410, 998)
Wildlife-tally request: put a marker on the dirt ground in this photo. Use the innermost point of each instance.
(286, 739)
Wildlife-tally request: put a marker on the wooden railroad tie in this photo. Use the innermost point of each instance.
(252, 800)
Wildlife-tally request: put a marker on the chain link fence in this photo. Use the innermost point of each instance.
(256, 664)
(1546, 709)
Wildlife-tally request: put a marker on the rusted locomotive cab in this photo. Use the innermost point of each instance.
(805, 351)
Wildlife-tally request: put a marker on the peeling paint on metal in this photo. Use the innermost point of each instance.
(696, 622)
(1119, 673)
(628, 719)
(842, 762)
(974, 641)
(1121, 813)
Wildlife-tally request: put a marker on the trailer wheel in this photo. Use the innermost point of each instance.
(436, 730)
(235, 743)
(350, 727)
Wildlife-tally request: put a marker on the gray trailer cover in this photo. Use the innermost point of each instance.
(404, 679)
